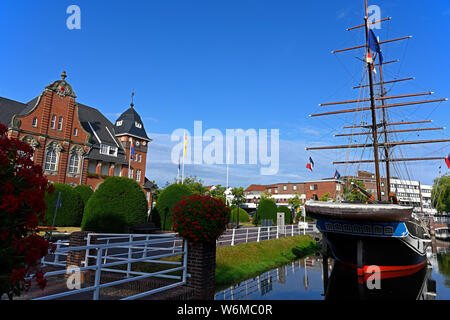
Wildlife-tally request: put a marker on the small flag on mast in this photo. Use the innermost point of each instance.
(374, 45)
(447, 161)
(337, 175)
(132, 150)
(310, 164)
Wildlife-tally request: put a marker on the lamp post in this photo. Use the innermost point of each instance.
(238, 201)
(255, 200)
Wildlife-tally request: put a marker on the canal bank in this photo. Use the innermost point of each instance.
(243, 261)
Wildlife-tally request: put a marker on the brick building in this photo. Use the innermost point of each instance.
(282, 192)
(74, 143)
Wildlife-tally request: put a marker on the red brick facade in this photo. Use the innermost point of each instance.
(51, 124)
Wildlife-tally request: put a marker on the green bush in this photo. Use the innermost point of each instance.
(71, 212)
(84, 191)
(287, 214)
(168, 198)
(243, 215)
(117, 203)
(267, 209)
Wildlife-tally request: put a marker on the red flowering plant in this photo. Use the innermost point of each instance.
(22, 208)
(200, 218)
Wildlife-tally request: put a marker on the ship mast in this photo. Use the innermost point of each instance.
(373, 126)
(372, 105)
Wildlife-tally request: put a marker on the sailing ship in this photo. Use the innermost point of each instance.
(379, 232)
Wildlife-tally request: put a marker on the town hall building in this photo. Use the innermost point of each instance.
(75, 143)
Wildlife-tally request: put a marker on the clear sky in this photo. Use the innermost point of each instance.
(232, 64)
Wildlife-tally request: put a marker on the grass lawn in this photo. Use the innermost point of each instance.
(62, 229)
(237, 263)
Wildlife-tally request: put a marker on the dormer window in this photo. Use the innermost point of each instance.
(119, 123)
(137, 124)
(108, 150)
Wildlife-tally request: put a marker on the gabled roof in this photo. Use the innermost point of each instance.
(128, 121)
(102, 132)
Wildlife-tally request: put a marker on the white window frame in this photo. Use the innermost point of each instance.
(138, 125)
(35, 122)
(138, 175)
(51, 163)
(106, 150)
(53, 122)
(74, 163)
(119, 123)
(60, 122)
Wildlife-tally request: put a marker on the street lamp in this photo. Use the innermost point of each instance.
(238, 201)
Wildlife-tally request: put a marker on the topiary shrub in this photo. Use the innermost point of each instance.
(267, 209)
(200, 218)
(84, 191)
(168, 198)
(287, 214)
(117, 203)
(70, 213)
(243, 215)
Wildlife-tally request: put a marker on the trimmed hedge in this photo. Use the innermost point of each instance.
(267, 209)
(287, 214)
(117, 203)
(168, 198)
(71, 212)
(243, 215)
(84, 191)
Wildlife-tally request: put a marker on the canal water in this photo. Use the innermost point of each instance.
(311, 279)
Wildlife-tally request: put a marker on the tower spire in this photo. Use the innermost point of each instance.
(132, 98)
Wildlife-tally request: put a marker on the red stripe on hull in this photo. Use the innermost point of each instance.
(386, 272)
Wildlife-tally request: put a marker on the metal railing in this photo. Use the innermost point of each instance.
(113, 252)
(257, 234)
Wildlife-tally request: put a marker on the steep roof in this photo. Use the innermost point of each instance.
(8, 108)
(102, 132)
(130, 123)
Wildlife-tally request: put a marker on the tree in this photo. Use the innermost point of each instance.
(267, 209)
(238, 196)
(325, 197)
(117, 203)
(168, 198)
(352, 194)
(84, 191)
(295, 203)
(217, 192)
(195, 184)
(440, 194)
(71, 211)
(266, 195)
(22, 207)
(243, 215)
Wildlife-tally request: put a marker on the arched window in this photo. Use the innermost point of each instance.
(50, 160)
(52, 153)
(74, 163)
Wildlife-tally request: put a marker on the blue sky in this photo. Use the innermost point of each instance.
(231, 64)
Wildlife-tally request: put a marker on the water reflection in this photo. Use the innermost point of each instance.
(314, 278)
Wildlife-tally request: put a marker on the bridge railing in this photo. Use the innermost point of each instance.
(103, 257)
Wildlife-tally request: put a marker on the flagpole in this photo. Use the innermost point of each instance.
(228, 156)
(184, 155)
(129, 159)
